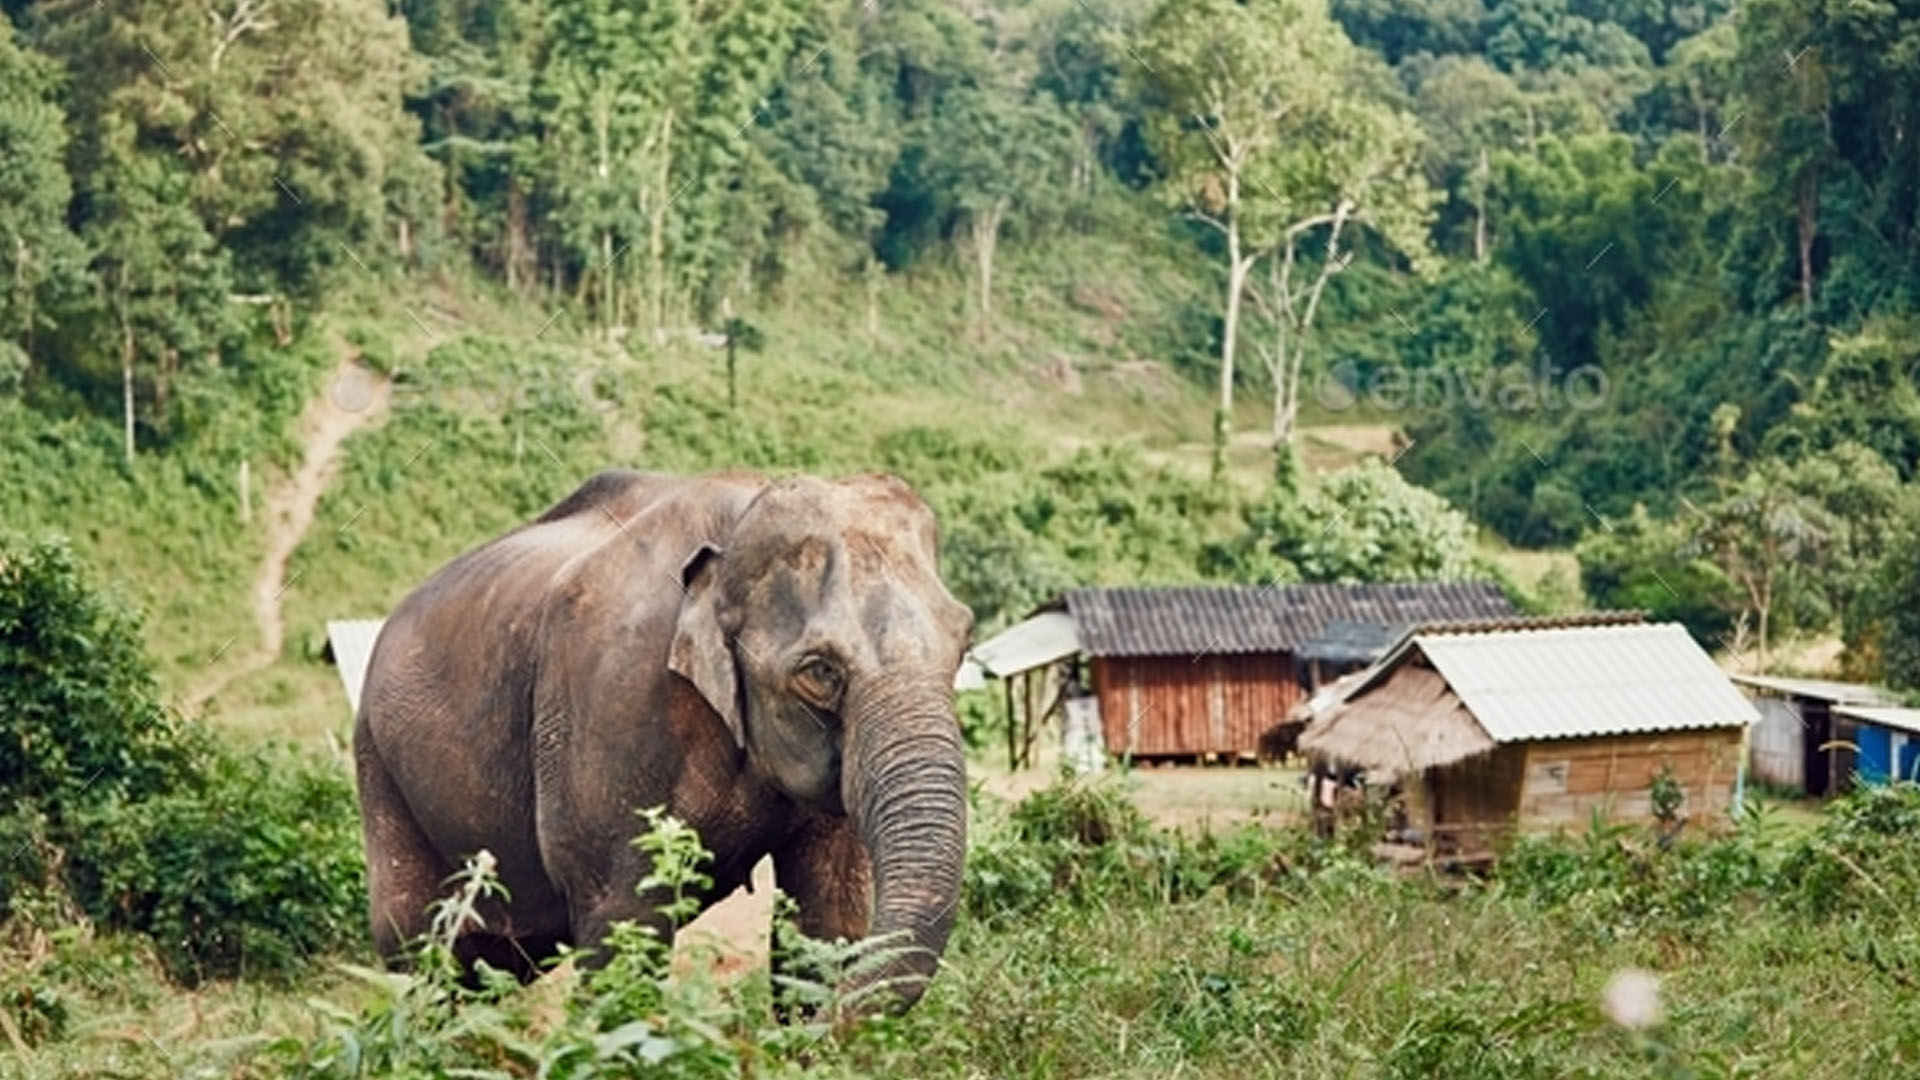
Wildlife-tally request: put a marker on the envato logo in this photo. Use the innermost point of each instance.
(1508, 389)
(598, 388)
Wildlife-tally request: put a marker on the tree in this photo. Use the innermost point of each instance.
(994, 155)
(163, 281)
(647, 106)
(1355, 164)
(1230, 82)
(1361, 524)
(1768, 537)
(284, 118)
(1784, 87)
(1897, 657)
(1648, 564)
(611, 87)
(1468, 111)
(42, 262)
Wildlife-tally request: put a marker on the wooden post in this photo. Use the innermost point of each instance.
(246, 494)
(1008, 684)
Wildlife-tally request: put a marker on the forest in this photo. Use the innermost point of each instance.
(1130, 290)
(1638, 278)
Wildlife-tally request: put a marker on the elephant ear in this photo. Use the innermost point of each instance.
(701, 653)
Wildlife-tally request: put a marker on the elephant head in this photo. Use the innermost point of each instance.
(823, 636)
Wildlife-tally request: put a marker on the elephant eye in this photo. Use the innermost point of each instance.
(818, 682)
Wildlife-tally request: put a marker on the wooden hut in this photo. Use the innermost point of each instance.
(1196, 672)
(1487, 726)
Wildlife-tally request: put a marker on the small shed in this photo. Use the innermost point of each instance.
(1803, 742)
(1886, 741)
(1196, 671)
(1484, 727)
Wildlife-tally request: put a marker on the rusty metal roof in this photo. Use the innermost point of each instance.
(1578, 681)
(1195, 620)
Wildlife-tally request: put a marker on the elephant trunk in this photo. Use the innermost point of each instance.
(905, 786)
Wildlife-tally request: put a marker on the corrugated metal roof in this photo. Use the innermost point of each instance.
(1346, 641)
(1572, 682)
(350, 646)
(1202, 619)
(1828, 690)
(1043, 639)
(1896, 717)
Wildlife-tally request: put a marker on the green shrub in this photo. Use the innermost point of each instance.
(116, 809)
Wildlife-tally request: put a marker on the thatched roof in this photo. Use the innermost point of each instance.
(1407, 723)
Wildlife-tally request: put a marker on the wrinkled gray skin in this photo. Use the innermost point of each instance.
(772, 661)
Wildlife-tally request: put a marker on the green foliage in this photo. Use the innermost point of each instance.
(40, 258)
(628, 1018)
(1644, 564)
(1365, 523)
(231, 861)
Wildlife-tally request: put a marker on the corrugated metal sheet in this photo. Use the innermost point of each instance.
(350, 646)
(1886, 716)
(1827, 690)
(1344, 641)
(1199, 620)
(1043, 639)
(1779, 743)
(1583, 681)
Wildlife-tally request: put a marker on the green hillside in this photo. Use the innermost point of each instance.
(1613, 301)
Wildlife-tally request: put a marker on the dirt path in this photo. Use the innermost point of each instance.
(351, 398)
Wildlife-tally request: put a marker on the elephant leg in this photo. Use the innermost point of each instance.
(593, 918)
(405, 875)
(825, 869)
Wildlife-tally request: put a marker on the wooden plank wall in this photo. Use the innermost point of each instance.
(1181, 706)
(1567, 779)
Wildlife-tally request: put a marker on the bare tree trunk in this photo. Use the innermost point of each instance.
(986, 233)
(874, 275)
(1808, 208)
(609, 317)
(1480, 210)
(126, 377)
(1237, 267)
(517, 248)
(657, 233)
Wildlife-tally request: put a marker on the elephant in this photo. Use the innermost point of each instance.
(771, 660)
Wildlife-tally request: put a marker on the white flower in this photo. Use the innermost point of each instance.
(1632, 999)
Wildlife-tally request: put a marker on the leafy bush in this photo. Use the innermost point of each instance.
(1082, 842)
(114, 808)
(1364, 523)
